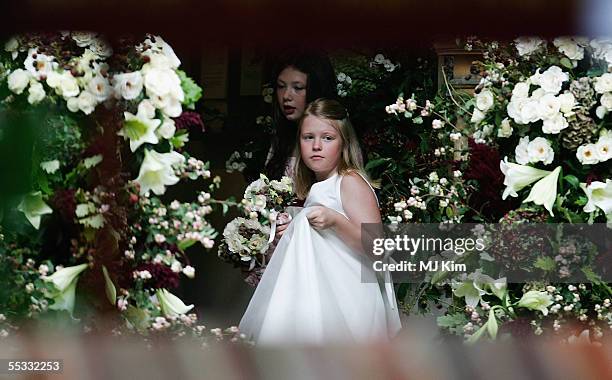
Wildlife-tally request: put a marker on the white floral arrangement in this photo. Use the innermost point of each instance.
(246, 238)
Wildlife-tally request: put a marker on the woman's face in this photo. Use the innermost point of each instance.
(320, 146)
(291, 92)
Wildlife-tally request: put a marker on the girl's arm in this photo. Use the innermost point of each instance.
(360, 206)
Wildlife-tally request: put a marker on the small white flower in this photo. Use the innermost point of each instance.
(477, 116)
(539, 149)
(521, 153)
(189, 271)
(36, 93)
(603, 83)
(505, 130)
(437, 124)
(587, 154)
(484, 100)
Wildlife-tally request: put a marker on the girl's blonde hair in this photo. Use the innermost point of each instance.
(333, 112)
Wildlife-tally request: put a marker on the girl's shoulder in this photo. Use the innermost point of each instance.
(357, 186)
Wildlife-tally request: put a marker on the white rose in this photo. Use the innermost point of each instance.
(100, 88)
(603, 83)
(530, 112)
(68, 85)
(606, 100)
(18, 80)
(477, 116)
(146, 109)
(167, 129)
(36, 93)
(128, 85)
(604, 148)
(528, 45)
(505, 130)
(170, 106)
(554, 124)
(552, 79)
(514, 109)
(549, 106)
(87, 102)
(569, 47)
(521, 90)
(73, 104)
(601, 112)
(587, 154)
(163, 82)
(484, 100)
(521, 155)
(567, 102)
(539, 149)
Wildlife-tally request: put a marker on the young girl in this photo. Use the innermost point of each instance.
(319, 286)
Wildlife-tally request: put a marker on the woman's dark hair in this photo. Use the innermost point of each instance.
(320, 83)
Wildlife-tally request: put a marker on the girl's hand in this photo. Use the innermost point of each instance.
(321, 217)
(282, 222)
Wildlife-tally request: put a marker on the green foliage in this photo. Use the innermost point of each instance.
(192, 91)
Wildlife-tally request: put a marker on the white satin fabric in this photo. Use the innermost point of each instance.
(317, 290)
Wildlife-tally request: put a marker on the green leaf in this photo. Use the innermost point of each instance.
(492, 326)
(184, 244)
(545, 263)
(565, 62)
(375, 163)
(417, 120)
(137, 318)
(111, 292)
(134, 129)
(192, 91)
(452, 320)
(572, 180)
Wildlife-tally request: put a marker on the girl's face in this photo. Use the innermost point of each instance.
(320, 146)
(291, 92)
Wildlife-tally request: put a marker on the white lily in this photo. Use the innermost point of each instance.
(536, 300)
(599, 195)
(65, 281)
(171, 305)
(34, 208)
(156, 171)
(139, 129)
(544, 192)
(518, 176)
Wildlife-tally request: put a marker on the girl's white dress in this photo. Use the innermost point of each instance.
(317, 290)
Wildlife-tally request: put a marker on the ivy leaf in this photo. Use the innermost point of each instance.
(134, 129)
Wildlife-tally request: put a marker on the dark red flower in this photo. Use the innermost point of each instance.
(188, 120)
(161, 276)
(65, 203)
(483, 167)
